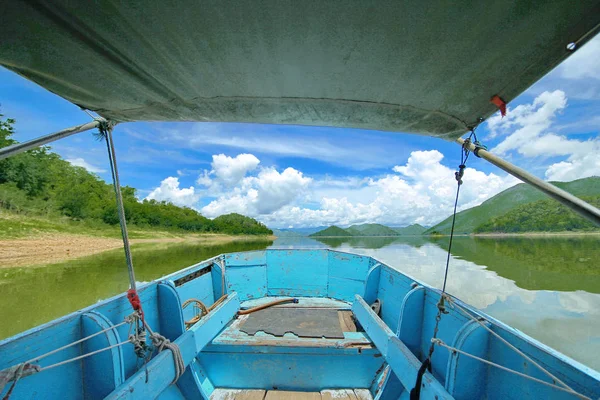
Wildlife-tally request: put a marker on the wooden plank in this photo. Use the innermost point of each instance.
(347, 321)
(363, 394)
(237, 394)
(338, 394)
(342, 322)
(285, 395)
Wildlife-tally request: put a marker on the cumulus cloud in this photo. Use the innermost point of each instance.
(527, 130)
(421, 191)
(258, 195)
(231, 170)
(170, 191)
(80, 162)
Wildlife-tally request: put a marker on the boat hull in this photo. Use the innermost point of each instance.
(295, 347)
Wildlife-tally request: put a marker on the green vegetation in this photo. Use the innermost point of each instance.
(39, 185)
(371, 230)
(332, 231)
(540, 216)
(468, 220)
(411, 230)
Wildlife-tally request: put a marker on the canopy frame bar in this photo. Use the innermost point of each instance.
(17, 148)
(582, 208)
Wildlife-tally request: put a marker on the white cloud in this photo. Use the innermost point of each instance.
(231, 170)
(80, 162)
(585, 63)
(257, 195)
(527, 131)
(169, 191)
(421, 191)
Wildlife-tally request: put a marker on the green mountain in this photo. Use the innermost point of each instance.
(468, 220)
(411, 230)
(332, 231)
(39, 183)
(371, 230)
(541, 216)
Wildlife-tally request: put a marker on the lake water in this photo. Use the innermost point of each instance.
(548, 288)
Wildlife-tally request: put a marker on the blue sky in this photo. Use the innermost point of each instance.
(309, 176)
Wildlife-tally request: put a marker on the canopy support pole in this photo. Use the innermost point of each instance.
(582, 208)
(106, 129)
(17, 148)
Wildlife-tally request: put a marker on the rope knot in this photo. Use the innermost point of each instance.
(161, 343)
(459, 174)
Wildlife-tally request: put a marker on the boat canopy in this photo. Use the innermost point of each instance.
(407, 66)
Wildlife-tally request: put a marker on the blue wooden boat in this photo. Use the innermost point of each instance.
(290, 324)
(326, 324)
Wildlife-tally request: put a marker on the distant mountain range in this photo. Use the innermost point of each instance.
(371, 230)
(521, 208)
(502, 204)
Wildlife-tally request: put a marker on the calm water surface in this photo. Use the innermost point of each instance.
(547, 288)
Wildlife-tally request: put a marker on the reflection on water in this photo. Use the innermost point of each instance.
(546, 287)
(32, 296)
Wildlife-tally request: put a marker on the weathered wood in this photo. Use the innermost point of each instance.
(284, 395)
(238, 394)
(347, 321)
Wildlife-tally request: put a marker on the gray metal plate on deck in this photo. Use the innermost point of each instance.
(303, 322)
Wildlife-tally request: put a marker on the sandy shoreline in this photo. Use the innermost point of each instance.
(57, 248)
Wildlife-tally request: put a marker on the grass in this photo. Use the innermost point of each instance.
(18, 226)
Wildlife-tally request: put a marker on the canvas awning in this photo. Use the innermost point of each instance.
(407, 66)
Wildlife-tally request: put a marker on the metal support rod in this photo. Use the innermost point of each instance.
(582, 208)
(120, 208)
(17, 148)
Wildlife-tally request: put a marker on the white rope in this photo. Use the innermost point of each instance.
(568, 390)
(36, 359)
(161, 343)
(58, 364)
(525, 356)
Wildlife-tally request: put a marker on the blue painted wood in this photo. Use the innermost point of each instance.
(371, 289)
(219, 284)
(171, 393)
(393, 287)
(347, 275)
(246, 259)
(119, 307)
(249, 282)
(466, 378)
(411, 320)
(450, 325)
(398, 356)
(37, 342)
(504, 385)
(102, 372)
(200, 288)
(170, 312)
(297, 372)
(161, 368)
(390, 386)
(297, 272)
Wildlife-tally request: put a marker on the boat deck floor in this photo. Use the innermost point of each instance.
(312, 322)
(259, 394)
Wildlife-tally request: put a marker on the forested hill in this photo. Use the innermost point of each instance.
(39, 182)
(504, 202)
(540, 216)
